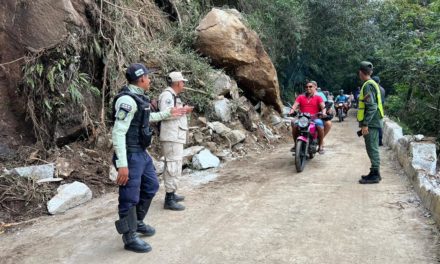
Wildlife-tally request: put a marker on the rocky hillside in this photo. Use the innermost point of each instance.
(62, 62)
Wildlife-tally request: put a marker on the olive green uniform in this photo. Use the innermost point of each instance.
(374, 122)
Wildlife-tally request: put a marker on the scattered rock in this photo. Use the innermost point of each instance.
(69, 196)
(212, 146)
(419, 137)
(188, 153)
(276, 119)
(37, 172)
(205, 160)
(63, 168)
(222, 110)
(219, 128)
(224, 85)
(5, 152)
(50, 180)
(202, 120)
(113, 173)
(198, 137)
(235, 137)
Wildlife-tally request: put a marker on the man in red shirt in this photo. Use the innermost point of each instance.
(312, 104)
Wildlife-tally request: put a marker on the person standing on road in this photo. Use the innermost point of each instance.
(370, 115)
(173, 132)
(131, 136)
(382, 94)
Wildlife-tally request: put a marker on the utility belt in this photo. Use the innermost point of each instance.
(134, 149)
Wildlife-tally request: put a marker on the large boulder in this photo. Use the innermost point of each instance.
(230, 44)
(69, 196)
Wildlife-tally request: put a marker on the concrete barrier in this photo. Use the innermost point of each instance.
(419, 161)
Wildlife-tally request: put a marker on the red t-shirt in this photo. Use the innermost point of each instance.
(309, 104)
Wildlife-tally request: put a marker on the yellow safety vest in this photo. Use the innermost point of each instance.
(361, 110)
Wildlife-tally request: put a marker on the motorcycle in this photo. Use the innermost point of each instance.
(341, 110)
(306, 142)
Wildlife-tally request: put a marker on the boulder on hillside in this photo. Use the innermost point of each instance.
(224, 85)
(219, 128)
(222, 110)
(235, 137)
(230, 44)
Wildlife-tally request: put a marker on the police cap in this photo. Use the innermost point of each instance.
(135, 71)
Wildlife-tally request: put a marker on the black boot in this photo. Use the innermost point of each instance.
(369, 174)
(374, 177)
(141, 211)
(171, 203)
(178, 198)
(127, 226)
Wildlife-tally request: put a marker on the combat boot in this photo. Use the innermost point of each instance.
(374, 177)
(179, 198)
(127, 226)
(171, 203)
(369, 174)
(141, 211)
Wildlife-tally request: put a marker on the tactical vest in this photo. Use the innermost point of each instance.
(139, 134)
(361, 110)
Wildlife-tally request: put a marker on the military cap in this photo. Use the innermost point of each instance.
(366, 65)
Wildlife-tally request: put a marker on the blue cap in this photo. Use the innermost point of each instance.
(135, 71)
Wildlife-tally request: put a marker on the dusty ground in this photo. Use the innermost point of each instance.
(258, 210)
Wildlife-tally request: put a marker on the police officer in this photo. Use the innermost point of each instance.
(131, 136)
(370, 115)
(173, 136)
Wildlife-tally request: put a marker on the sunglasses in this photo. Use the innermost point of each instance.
(309, 86)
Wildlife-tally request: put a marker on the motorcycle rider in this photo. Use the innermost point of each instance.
(310, 103)
(342, 98)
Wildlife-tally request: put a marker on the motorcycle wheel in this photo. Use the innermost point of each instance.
(301, 155)
(341, 118)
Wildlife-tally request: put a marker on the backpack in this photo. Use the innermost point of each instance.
(154, 104)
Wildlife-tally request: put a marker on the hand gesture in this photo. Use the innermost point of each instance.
(188, 109)
(177, 111)
(122, 176)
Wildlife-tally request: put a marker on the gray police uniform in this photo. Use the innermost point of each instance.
(173, 132)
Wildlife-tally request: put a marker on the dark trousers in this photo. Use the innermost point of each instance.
(142, 182)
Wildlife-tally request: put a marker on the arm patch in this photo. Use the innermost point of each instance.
(125, 107)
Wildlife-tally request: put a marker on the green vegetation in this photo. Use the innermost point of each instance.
(324, 40)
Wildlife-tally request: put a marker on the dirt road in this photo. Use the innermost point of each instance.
(259, 210)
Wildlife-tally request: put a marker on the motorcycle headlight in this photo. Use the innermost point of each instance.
(303, 122)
